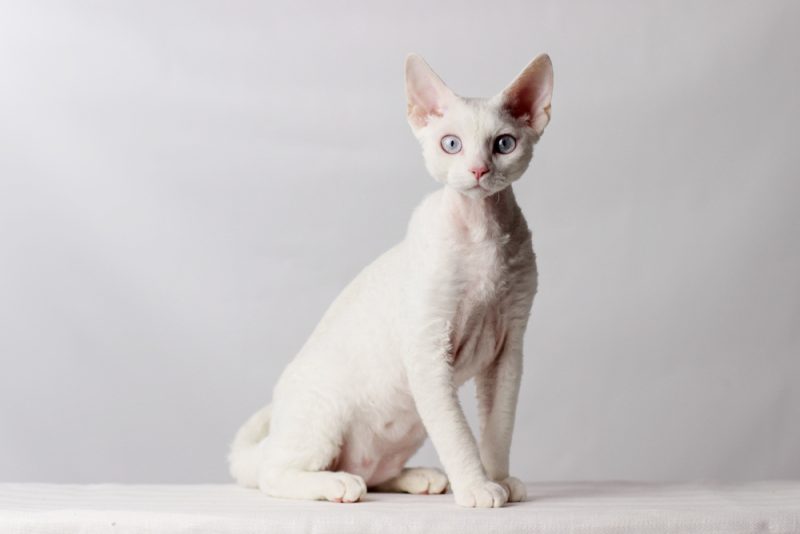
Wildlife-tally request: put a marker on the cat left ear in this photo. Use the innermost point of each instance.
(427, 94)
(528, 96)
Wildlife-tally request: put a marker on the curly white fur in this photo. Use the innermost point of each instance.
(449, 303)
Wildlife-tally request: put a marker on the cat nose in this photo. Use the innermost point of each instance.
(479, 171)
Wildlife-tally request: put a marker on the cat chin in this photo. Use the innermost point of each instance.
(478, 193)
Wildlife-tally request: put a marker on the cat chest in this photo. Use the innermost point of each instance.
(481, 274)
(477, 339)
(479, 325)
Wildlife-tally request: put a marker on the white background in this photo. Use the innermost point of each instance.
(185, 186)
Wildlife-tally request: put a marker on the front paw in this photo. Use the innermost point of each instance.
(515, 488)
(484, 494)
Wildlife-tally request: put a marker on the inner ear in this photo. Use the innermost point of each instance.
(527, 98)
(427, 94)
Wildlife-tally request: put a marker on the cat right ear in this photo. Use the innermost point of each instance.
(427, 94)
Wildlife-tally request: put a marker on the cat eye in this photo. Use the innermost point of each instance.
(451, 144)
(505, 144)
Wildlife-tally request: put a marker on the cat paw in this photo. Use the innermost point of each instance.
(344, 487)
(485, 494)
(420, 481)
(516, 489)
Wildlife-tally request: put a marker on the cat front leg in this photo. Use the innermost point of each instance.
(497, 388)
(430, 378)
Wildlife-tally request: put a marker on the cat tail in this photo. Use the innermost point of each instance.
(245, 458)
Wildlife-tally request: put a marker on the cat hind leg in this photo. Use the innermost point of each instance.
(295, 465)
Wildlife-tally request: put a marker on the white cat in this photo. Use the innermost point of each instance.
(449, 303)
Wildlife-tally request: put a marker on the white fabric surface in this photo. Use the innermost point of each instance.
(609, 507)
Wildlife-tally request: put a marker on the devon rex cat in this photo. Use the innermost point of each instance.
(449, 303)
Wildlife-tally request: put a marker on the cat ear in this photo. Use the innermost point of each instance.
(528, 96)
(427, 94)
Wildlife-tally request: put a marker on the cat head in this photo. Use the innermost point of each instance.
(478, 146)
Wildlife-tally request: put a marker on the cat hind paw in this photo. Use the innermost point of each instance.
(517, 491)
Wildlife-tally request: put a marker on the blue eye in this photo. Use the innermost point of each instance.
(451, 144)
(505, 144)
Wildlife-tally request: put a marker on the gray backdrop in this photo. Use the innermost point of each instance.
(185, 186)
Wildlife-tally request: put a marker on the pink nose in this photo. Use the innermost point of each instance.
(479, 171)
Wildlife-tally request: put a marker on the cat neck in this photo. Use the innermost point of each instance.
(494, 215)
